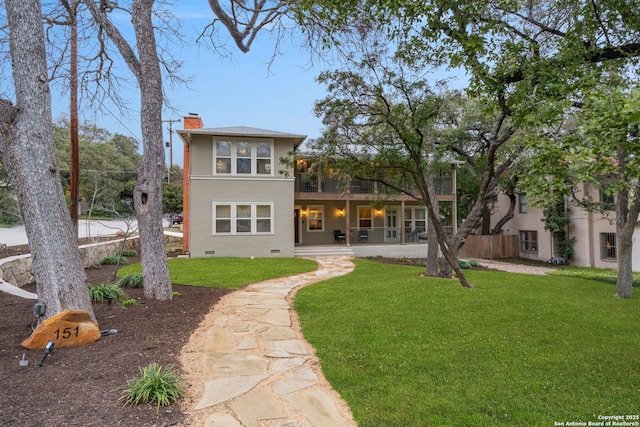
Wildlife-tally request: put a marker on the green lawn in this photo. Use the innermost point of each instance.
(518, 350)
(228, 273)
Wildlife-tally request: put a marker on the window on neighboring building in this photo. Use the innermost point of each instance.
(528, 241)
(243, 158)
(365, 217)
(243, 218)
(523, 204)
(607, 200)
(608, 246)
(316, 218)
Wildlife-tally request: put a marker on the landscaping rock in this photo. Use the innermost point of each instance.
(70, 328)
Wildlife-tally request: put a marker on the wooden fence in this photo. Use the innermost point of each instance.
(491, 247)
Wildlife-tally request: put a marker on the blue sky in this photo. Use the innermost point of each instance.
(241, 90)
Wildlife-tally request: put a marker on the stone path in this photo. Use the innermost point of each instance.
(249, 365)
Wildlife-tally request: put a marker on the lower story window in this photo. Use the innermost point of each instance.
(316, 218)
(529, 241)
(242, 218)
(608, 246)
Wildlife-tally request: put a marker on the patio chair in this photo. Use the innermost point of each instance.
(364, 236)
(338, 236)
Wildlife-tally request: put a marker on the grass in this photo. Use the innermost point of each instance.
(518, 350)
(134, 280)
(156, 384)
(605, 275)
(105, 291)
(113, 260)
(228, 273)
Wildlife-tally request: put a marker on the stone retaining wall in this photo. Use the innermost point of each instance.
(17, 270)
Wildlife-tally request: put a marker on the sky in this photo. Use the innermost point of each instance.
(242, 90)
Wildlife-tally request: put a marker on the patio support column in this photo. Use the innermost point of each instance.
(403, 232)
(454, 207)
(346, 218)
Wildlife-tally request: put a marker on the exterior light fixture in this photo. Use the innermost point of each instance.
(340, 212)
(48, 349)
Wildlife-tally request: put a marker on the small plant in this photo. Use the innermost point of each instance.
(467, 264)
(113, 260)
(175, 294)
(156, 384)
(130, 252)
(107, 292)
(129, 302)
(133, 280)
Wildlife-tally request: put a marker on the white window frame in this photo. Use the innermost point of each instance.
(320, 208)
(410, 223)
(523, 203)
(234, 218)
(234, 157)
(527, 242)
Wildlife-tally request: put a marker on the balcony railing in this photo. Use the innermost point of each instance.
(322, 184)
(388, 235)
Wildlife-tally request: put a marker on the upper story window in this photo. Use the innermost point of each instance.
(607, 200)
(523, 204)
(243, 158)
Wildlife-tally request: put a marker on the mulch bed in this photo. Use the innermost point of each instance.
(80, 386)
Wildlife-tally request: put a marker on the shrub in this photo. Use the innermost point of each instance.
(467, 264)
(113, 260)
(107, 291)
(129, 302)
(162, 385)
(133, 280)
(130, 252)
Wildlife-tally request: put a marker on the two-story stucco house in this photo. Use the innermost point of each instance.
(595, 235)
(236, 201)
(239, 203)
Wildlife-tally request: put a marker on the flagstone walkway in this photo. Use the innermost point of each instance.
(249, 365)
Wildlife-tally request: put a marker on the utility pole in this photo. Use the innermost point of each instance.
(73, 118)
(170, 129)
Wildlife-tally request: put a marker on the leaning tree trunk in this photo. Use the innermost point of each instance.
(433, 248)
(148, 191)
(147, 194)
(28, 153)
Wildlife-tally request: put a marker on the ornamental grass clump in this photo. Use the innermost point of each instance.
(113, 260)
(107, 292)
(130, 252)
(156, 384)
(133, 280)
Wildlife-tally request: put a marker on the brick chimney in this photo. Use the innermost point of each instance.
(192, 121)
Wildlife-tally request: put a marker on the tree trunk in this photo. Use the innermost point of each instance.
(148, 192)
(627, 212)
(626, 220)
(27, 150)
(433, 249)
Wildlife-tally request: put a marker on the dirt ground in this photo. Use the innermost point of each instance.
(80, 386)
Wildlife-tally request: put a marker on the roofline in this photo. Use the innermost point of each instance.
(185, 135)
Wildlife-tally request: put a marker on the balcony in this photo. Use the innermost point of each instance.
(322, 184)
